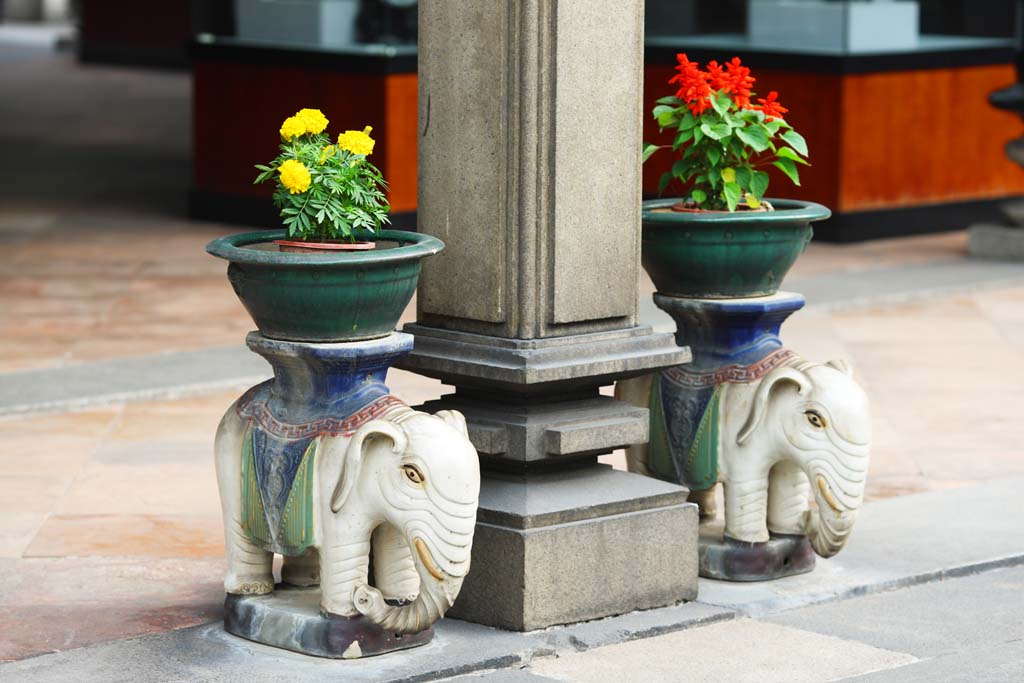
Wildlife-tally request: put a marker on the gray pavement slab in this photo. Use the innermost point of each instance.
(501, 676)
(165, 375)
(207, 653)
(899, 542)
(929, 620)
(1002, 663)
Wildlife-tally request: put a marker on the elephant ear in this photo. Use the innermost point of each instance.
(353, 461)
(455, 419)
(763, 394)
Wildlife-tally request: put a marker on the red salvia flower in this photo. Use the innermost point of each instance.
(771, 107)
(739, 83)
(693, 85)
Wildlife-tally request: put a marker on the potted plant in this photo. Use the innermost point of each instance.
(333, 274)
(724, 239)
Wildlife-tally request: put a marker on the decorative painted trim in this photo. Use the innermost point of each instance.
(259, 412)
(701, 468)
(731, 373)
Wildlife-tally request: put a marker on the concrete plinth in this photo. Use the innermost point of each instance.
(564, 547)
(532, 308)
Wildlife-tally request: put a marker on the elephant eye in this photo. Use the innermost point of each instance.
(816, 419)
(413, 474)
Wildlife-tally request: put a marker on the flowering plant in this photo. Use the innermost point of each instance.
(325, 190)
(725, 138)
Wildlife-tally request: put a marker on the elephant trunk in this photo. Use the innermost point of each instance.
(829, 526)
(437, 593)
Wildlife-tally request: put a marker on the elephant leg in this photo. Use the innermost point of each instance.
(393, 569)
(746, 504)
(788, 497)
(302, 570)
(344, 565)
(636, 391)
(705, 500)
(250, 568)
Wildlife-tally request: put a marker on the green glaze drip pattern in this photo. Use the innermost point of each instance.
(659, 451)
(701, 469)
(295, 533)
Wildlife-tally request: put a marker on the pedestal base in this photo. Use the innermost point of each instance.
(290, 618)
(996, 242)
(731, 560)
(576, 545)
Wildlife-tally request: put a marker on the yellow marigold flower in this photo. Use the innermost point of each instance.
(357, 141)
(327, 151)
(313, 119)
(292, 127)
(294, 176)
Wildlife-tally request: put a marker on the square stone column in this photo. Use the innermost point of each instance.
(529, 170)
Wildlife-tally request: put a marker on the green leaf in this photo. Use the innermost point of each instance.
(752, 201)
(796, 140)
(663, 182)
(670, 99)
(759, 183)
(666, 116)
(754, 136)
(743, 177)
(729, 175)
(732, 195)
(683, 137)
(720, 102)
(789, 168)
(699, 196)
(688, 121)
(649, 149)
(787, 153)
(714, 176)
(773, 126)
(717, 131)
(714, 154)
(698, 135)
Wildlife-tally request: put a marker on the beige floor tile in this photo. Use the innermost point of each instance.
(164, 486)
(184, 536)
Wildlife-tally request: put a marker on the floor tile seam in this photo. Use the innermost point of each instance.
(112, 424)
(763, 608)
(910, 296)
(120, 399)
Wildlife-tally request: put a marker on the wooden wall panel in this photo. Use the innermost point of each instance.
(401, 140)
(925, 137)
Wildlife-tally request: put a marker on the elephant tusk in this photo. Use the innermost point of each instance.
(826, 493)
(428, 561)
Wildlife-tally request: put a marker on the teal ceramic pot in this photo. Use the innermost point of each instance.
(721, 255)
(330, 297)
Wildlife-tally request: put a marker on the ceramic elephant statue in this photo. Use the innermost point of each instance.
(800, 427)
(400, 482)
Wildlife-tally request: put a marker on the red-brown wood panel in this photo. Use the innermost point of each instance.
(401, 140)
(925, 137)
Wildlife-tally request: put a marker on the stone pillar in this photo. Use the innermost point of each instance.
(529, 170)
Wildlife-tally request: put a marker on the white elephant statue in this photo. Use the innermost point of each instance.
(803, 427)
(404, 483)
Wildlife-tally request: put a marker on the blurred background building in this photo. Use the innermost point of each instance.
(891, 94)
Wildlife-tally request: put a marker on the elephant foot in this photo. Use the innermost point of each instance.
(706, 504)
(301, 571)
(249, 584)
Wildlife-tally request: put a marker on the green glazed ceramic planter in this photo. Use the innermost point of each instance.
(332, 297)
(720, 255)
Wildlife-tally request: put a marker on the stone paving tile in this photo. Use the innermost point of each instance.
(48, 605)
(738, 651)
(113, 535)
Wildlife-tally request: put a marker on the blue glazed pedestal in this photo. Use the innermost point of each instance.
(317, 389)
(732, 340)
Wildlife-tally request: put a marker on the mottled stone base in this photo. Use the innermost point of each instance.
(996, 242)
(731, 560)
(290, 618)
